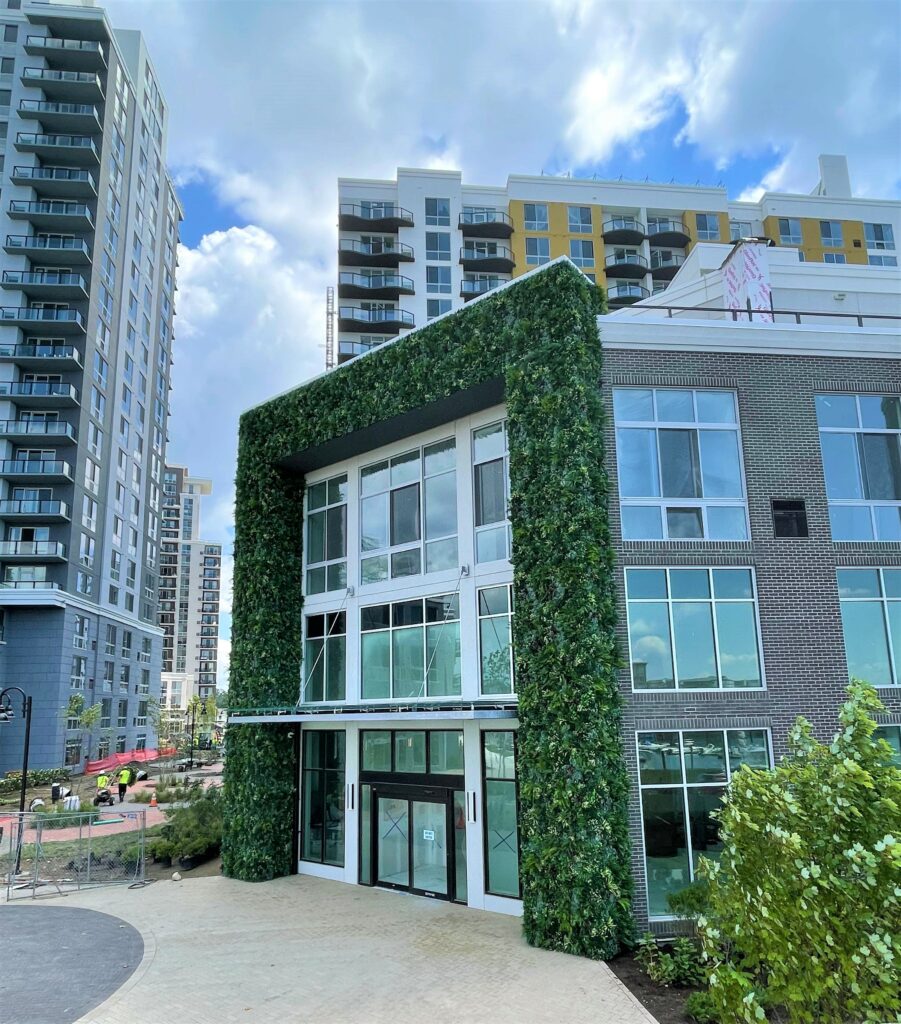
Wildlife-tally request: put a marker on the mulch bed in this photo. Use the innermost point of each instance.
(666, 1004)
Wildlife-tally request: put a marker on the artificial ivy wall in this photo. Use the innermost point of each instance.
(539, 335)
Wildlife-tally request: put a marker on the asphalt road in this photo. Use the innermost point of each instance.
(46, 955)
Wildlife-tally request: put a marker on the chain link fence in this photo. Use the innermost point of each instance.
(45, 853)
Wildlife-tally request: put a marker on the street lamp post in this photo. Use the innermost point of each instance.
(6, 715)
(193, 717)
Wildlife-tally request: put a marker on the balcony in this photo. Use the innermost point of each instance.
(49, 431)
(48, 511)
(380, 286)
(64, 321)
(373, 217)
(67, 117)
(626, 264)
(485, 223)
(46, 284)
(40, 394)
(350, 349)
(30, 585)
(387, 253)
(626, 294)
(69, 54)
(668, 232)
(74, 149)
(57, 181)
(52, 249)
(48, 356)
(374, 321)
(52, 213)
(491, 258)
(67, 86)
(665, 265)
(32, 551)
(623, 231)
(471, 289)
(36, 470)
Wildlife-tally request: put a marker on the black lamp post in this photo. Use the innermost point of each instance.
(193, 716)
(6, 715)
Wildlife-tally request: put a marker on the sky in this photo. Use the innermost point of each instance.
(272, 100)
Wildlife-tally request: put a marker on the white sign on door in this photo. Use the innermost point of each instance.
(428, 833)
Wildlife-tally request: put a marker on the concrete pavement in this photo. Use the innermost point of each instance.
(304, 949)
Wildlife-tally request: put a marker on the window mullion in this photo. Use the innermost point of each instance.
(672, 630)
(716, 635)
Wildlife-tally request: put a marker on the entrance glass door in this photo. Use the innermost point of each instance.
(393, 832)
(429, 848)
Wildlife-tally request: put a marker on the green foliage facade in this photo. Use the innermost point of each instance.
(539, 338)
(804, 917)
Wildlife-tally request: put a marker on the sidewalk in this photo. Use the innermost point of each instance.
(304, 950)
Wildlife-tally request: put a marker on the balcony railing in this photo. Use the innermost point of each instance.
(668, 231)
(38, 389)
(64, 174)
(387, 286)
(27, 314)
(377, 316)
(35, 467)
(30, 584)
(491, 257)
(37, 428)
(77, 78)
(627, 230)
(51, 43)
(51, 243)
(37, 509)
(67, 143)
(485, 223)
(385, 216)
(44, 277)
(32, 548)
(377, 253)
(55, 207)
(469, 288)
(53, 107)
(629, 264)
(625, 294)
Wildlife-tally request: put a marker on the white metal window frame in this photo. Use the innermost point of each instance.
(437, 219)
(537, 258)
(324, 509)
(713, 601)
(740, 229)
(871, 504)
(707, 233)
(535, 222)
(883, 243)
(834, 258)
(506, 521)
(440, 254)
(581, 251)
(442, 284)
(882, 260)
(789, 236)
(330, 620)
(835, 238)
(894, 658)
(685, 786)
(480, 618)
(576, 222)
(662, 503)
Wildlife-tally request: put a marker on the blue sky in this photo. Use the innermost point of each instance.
(272, 100)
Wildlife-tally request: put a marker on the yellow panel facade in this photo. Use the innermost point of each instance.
(557, 234)
(690, 220)
(812, 243)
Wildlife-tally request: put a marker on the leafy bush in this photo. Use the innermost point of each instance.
(692, 901)
(699, 1006)
(197, 827)
(805, 902)
(11, 782)
(681, 966)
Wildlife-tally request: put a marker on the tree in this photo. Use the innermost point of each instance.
(87, 717)
(804, 921)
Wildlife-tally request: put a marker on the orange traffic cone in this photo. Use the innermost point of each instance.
(153, 800)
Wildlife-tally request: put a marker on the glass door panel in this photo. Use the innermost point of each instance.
(392, 824)
(430, 847)
(460, 846)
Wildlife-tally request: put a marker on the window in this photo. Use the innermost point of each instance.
(831, 233)
(80, 637)
(740, 229)
(435, 307)
(678, 455)
(491, 491)
(126, 643)
(438, 279)
(409, 751)
(581, 252)
(879, 236)
(682, 778)
(882, 261)
(535, 216)
(10, 33)
(411, 648)
(708, 227)
(579, 218)
(834, 257)
(501, 819)
(404, 501)
(122, 717)
(495, 639)
(693, 629)
(110, 644)
(789, 231)
(326, 549)
(437, 212)
(437, 245)
(538, 251)
(73, 752)
(860, 441)
(871, 619)
(324, 657)
(892, 736)
(79, 672)
(322, 785)
(789, 518)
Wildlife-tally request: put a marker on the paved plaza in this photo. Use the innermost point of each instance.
(303, 949)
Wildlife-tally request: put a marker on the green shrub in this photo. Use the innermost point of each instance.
(197, 827)
(681, 966)
(805, 902)
(692, 901)
(699, 1006)
(11, 782)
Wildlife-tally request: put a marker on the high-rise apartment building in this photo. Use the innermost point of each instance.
(89, 228)
(424, 244)
(190, 579)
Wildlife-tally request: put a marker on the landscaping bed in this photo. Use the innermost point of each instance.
(665, 1003)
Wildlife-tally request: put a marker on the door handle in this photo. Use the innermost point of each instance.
(349, 796)
(471, 808)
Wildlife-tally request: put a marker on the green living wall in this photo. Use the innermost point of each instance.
(539, 335)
